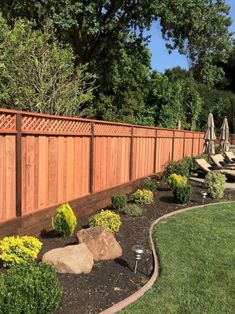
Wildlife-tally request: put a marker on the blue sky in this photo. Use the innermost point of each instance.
(161, 59)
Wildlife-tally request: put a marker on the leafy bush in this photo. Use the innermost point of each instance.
(26, 53)
(215, 182)
(142, 197)
(133, 210)
(20, 249)
(119, 201)
(182, 193)
(65, 220)
(176, 179)
(178, 167)
(149, 184)
(107, 219)
(30, 289)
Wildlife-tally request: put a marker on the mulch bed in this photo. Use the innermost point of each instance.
(111, 281)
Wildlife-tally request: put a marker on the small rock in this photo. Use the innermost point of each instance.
(75, 259)
(101, 242)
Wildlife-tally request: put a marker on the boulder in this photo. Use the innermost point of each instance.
(75, 259)
(101, 242)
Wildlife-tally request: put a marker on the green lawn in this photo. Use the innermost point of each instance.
(197, 258)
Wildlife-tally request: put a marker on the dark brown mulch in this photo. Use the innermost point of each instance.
(112, 281)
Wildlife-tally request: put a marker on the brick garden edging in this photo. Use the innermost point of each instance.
(135, 296)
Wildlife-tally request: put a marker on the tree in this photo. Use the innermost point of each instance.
(196, 27)
(38, 74)
(173, 101)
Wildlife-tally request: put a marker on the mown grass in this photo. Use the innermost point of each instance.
(197, 258)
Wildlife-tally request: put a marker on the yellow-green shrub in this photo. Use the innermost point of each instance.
(107, 219)
(65, 220)
(176, 179)
(142, 197)
(20, 249)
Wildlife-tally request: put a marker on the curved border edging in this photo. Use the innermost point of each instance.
(139, 293)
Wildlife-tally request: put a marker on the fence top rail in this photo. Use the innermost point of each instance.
(47, 116)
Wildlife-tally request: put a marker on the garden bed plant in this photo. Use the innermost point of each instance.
(129, 219)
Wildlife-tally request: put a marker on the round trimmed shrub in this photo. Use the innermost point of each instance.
(215, 183)
(182, 193)
(19, 249)
(150, 184)
(176, 179)
(64, 221)
(107, 219)
(29, 288)
(142, 197)
(119, 201)
(133, 210)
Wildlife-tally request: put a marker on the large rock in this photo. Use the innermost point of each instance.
(101, 242)
(75, 259)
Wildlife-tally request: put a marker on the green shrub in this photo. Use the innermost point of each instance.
(119, 201)
(142, 197)
(65, 220)
(150, 184)
(19, 249)
(178, 167)
(107, 219)
(133, 210)
(215, 183)
(182, 193)
(29, 288)
(176, 179)
(191, 164)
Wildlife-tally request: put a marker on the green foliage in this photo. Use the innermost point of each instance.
(142, 197)
(176, 179)
(182, 193)
(150, 184)
(65, 220)
(215, 183)
(178, 167)
(109, 36)
(107, 219)
(133, 210)
(20, 249)
(174, 100)
(29, 288)
(119, 201)
(37, 72)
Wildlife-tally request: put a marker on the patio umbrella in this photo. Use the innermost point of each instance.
(209, 146)
(224, 137)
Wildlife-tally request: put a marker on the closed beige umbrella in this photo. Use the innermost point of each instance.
(210, 137)
(224, 137)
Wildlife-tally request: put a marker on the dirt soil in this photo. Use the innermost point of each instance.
(111, 281)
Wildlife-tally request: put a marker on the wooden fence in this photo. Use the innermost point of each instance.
(47, 160)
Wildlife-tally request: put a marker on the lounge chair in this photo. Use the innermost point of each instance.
(220, 162)
(206, 167)
(230, 156)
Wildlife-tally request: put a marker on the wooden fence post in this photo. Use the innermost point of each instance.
(192, 144)
(184, 146)
(18, 166)
(92, 158)
(173, 146)
(199, 144)
(155, 152)
(131, 155)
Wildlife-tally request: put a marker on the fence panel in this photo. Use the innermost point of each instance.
(48, 160)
